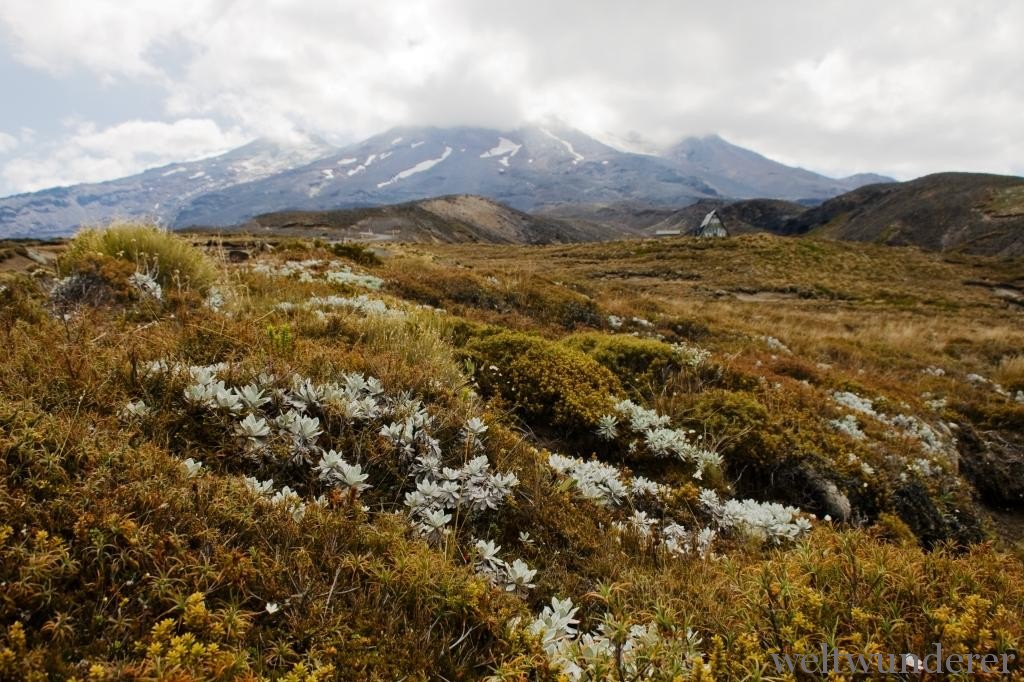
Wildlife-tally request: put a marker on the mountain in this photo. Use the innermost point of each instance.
(969, 212)
(526, 168)
(741, 173)
(158, 193)
(448, 219)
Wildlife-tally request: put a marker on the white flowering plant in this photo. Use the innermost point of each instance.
(642, 432)
(308, 435)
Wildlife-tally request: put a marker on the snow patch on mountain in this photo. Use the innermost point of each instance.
(505, 147)
(418, 168)
(576, 156)
(270, 159)
(363, 166)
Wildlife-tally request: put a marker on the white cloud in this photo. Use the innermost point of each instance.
(7, 142)
(106, 37)
(91, 155)
(898, 87)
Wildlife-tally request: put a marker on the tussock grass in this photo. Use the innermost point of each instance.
(167, 257)
(1010, 372)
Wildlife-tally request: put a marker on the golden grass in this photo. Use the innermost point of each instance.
(1010, 371)
(169, 258)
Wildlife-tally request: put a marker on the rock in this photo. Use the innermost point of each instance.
(238, 255)
(832, 501)
(994, 463)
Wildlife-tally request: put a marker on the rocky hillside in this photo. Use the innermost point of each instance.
(739, 217)
(967, 212)
(459, 218)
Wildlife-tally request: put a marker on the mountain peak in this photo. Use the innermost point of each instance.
(542, 163)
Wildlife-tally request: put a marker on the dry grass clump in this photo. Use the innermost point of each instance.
(167, 257)
(1010, 372)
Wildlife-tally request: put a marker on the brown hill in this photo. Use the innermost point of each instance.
(968, 212)
(739, 217)
(447, 219)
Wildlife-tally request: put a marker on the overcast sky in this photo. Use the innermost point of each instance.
(97, 89)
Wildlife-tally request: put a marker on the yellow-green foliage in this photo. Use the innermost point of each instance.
(116, 564)
(550, 384)
(852, 592)
(643, 365)
(109, 553)
(168, 257)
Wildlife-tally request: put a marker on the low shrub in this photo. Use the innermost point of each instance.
(19, 300)
(548, 383)
(97, 279)
(640, 364)
(356, 253)
(554, 304)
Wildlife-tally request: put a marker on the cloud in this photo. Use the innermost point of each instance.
(904, 88)
(7, 142)
(105, 37)
(91, 155)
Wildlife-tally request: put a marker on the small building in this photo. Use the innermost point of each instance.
(712, 226)
(667, 233)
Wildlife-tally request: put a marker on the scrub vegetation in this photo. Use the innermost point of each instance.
(649, 459)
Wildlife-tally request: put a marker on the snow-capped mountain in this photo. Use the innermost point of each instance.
(525, 168)
(158, 193)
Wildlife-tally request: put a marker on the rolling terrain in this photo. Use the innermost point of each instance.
(678, 458)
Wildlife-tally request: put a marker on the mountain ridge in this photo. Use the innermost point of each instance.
(447, 219)
(525, 168)
(977, 213)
